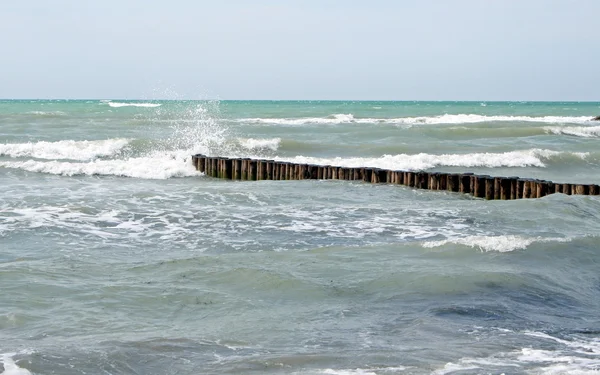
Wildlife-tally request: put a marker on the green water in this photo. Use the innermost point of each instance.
(117, 257)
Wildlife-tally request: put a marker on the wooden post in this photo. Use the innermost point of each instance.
(236, 169)
(464, 183)
(514, 188)
(201, 163)
(269, 170)
(375, 176)
(558, 188)
(505, 188)
(408, 178)
(479, 186)
(581, 189)
(452, 182)
(443, 181)
(367, 174)
(497, 187)
(422, 180)
(214, 168)
(434, 181)
(400, 177)
(541, 188)
(529, 188)
(228, 172)
(252, 170)
(594, 190)
(567, 189)
(490, 188)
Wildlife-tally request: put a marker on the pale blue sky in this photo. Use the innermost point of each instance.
(327, 49)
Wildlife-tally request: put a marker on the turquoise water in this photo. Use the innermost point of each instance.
(117, 257)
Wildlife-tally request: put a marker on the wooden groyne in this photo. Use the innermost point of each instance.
(480, 186)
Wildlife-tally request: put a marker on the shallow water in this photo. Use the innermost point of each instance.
(118, 257)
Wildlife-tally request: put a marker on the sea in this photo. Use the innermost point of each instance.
(118, 257)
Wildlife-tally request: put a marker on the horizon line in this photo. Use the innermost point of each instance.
(312, 100)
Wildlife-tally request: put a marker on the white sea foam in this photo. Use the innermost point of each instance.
(47, 113)
(145, 105)
(523, 158)
(494, 243)
(578, 131)
(258, 144)
(333, 119)
(360, 371)
(578, 356)
(11, 367)
(67, 149)
(159, 165)
(420, 120)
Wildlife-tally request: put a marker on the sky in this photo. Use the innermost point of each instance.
(301, 50)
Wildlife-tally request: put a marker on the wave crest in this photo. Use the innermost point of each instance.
(420, 120)
(143, 105)
(423, 161)
(494, 243)
(67, 149)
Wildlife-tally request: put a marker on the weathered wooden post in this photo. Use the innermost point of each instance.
(434, 181)
(252, 170)
(490, 188)
(236, 169)
(558, 188)
(464, 183)
(452, 182)
(581, 189)
(201, 163)
(400, 177)
(214, 168)
(408, 176)
(479, 186)
(594, 190)
(228, 169)
(367, 174)
(422, 180)
(514, 188)
(505, 186)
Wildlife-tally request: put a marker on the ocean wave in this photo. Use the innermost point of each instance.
(494, 243)
(422, 161)
(67, 149)
(145, 105)
(551, 355)
(260, 144)
(160, 165)
(421, 120)
(578, 131)
(10, 366)
(47, 113)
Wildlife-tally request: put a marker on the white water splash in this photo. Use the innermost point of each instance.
(67, 149)
(494, 243)
(578, 131)
(143, 105)
(11, 367)
(157, 165)
(421, 120)
(258, 144)
(422, 161)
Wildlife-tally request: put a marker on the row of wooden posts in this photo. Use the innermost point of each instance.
(480, 186)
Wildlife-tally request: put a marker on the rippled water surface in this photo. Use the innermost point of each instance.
(117, 257)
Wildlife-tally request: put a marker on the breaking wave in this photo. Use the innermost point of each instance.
(67, 149)
(578, 131)
(494, 243)
(422, 161)
(145, 105)
(422, 120)
(160, 165)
